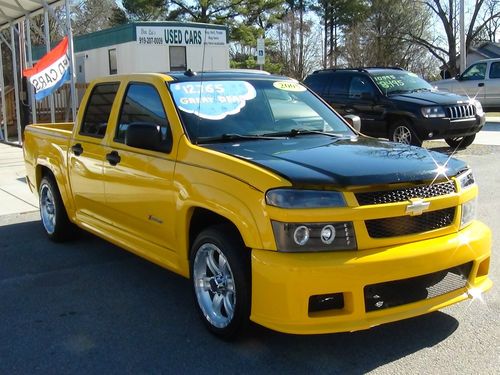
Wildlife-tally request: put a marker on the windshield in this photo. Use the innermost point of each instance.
(253, 108)
(396, 82)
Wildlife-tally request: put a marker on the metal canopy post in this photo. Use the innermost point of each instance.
(4, 107)
(72, 59)
(30, 62)
(16, 85)
(47, 45)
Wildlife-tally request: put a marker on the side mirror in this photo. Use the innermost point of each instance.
(354, 121)
(144, 135)
(458, 77)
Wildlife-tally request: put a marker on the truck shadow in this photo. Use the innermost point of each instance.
(89, 302)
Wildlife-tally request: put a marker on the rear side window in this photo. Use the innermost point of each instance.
(317, 82)
(143, 107)
(495, 70)
(96, 117)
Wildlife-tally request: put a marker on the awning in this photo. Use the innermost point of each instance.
(16, 10)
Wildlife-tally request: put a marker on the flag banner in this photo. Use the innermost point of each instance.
(51, 71)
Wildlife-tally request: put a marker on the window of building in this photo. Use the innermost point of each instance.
(177, 58)
(96, 117)
(112, 61)
(143, 107)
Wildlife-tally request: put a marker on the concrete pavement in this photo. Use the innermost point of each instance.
(16, 198)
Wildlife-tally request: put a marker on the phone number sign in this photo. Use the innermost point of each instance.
(182, 36)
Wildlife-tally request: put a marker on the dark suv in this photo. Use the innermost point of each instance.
(397, 104)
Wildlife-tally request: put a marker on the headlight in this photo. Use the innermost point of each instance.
(468, 212)
(465, 179)
(295, 198)
(479, 107)
(298, 237)
(433, 112)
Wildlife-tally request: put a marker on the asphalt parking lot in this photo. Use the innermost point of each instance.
(90, 307)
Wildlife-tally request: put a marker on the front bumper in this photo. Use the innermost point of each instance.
(282, 283)
(447, 128)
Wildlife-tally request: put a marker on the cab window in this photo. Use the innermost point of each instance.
(495, 70)
(475, 72)
(96, 117)
(142, 116)
(360, 87)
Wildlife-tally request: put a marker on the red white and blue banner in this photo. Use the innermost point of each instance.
(51, 71)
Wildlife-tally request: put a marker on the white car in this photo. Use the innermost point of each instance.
(481, 81)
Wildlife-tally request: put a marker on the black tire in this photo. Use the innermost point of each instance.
(401, 131)
(223, 298)
(53, 214)
(460, 142)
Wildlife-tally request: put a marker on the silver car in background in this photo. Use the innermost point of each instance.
(481, 81)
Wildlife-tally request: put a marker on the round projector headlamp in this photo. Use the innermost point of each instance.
(301, 235)
(328, 234)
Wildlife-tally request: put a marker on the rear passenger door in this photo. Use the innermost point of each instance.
(87, 153)
(492, 86)
(139, 172)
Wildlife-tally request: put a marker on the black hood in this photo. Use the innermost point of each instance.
(321, 160)
(431, 98)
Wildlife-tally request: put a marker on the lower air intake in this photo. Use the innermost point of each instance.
(400, 292)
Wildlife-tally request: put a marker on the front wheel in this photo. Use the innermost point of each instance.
(460, 142)
(220, 272)
(402, 132)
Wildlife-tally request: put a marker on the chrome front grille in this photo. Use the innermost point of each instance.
(404, 194)
(461, 111)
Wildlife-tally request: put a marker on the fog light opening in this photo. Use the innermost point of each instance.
(322, 302)
(301, 235)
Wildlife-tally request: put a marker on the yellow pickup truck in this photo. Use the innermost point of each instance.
(255, 189)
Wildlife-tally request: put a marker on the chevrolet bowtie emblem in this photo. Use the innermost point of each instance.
(417, 206)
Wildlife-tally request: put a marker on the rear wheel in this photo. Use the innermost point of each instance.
(220, 272)
(460, 142)
(401, 132)
(52, 211)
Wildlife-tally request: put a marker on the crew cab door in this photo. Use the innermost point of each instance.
(139, 166)
(86, 154)
(492, 86)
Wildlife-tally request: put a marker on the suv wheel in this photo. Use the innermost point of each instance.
(402, 132)
(460, 142)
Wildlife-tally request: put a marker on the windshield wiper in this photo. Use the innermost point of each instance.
(420, 89)
(295, 132)
(228, 137)
(394, 92)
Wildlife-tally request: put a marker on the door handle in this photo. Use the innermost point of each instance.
(481, 84)
(77, 149)
(113, 157)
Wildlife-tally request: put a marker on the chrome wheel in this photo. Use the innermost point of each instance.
(214, 285)
(47, 209)
(402, 134)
